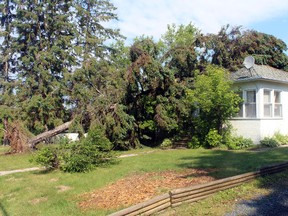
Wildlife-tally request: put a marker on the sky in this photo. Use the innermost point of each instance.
(151, 17)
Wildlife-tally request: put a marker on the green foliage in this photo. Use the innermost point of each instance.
(269, 142)
(43, 42)
(276, 140)
(55, 63)
(213, 139)
(47, 157)
(281, 139)
(231, 45)
(80, 156)
(180, 47)
(216, 101)
(242, 142)
(239, 142)
(167, 143)
(194, 143)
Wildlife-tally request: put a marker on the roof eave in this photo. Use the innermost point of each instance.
(260, 79)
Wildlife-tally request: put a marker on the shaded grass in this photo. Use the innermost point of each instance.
(225, 201)
(37, 193)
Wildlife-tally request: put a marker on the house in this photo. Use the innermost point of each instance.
(264, 110)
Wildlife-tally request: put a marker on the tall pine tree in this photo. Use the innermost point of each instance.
(44, 45)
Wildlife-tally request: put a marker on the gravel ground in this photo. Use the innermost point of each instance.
(275, 203)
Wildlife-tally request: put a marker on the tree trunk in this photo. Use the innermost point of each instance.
(41, 137)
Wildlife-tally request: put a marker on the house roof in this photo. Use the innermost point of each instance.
(260, 72)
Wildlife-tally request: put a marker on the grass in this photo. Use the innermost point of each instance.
(37, 193)
(13, 161)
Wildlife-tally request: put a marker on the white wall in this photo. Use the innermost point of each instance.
(247, 128)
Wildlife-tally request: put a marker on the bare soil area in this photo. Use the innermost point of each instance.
(141, 187)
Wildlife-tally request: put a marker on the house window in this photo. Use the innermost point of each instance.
(267, 103)
(277, 104)
(248, 108)
(250, 104)
(272, 103)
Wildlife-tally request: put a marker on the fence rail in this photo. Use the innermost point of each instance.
(197, 192)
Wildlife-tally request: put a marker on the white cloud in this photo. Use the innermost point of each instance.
(150, 17)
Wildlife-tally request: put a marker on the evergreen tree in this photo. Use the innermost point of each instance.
(97, 87)
(44, 45)
(7, 69)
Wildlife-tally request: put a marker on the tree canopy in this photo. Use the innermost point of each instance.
(58, 64)
(231, 45)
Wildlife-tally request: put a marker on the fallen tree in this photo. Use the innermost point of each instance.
(47, 134)
(20, 141)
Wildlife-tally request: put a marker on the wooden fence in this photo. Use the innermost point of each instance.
(194, 193)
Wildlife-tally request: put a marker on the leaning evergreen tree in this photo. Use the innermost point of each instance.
(97, 85)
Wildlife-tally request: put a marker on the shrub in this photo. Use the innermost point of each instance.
(194, 143)
(213, 139)
(47, 157)
(242, 142)
(269, 142)
(281, 139)
(80, 156)
(167, 143)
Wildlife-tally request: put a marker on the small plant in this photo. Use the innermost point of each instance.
(167, 143)
(242, 142)
(213, 139)
(282, 139)
(194, 143)
(269, 142)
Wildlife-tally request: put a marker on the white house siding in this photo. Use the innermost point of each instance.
(247, 128)
(260, 127)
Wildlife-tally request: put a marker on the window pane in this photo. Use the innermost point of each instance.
(251, 96)
(267, 96)
(268, 110)
(277, 98)
(278, 110)
(250, 110)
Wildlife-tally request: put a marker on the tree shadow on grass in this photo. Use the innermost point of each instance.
(44, 171)
(225, 163)
(3, 210)
(274, 203)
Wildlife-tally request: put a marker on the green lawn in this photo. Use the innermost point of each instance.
(37, 193)
(12, 161)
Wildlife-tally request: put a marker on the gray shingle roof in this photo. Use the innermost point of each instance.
(260, 72)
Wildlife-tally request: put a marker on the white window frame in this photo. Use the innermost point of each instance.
(279, 104)
(268, 104)
(272, 103)
(246, 103)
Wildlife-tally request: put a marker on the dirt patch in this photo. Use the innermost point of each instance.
(38, 200)
(140, 187)
(63, 188)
